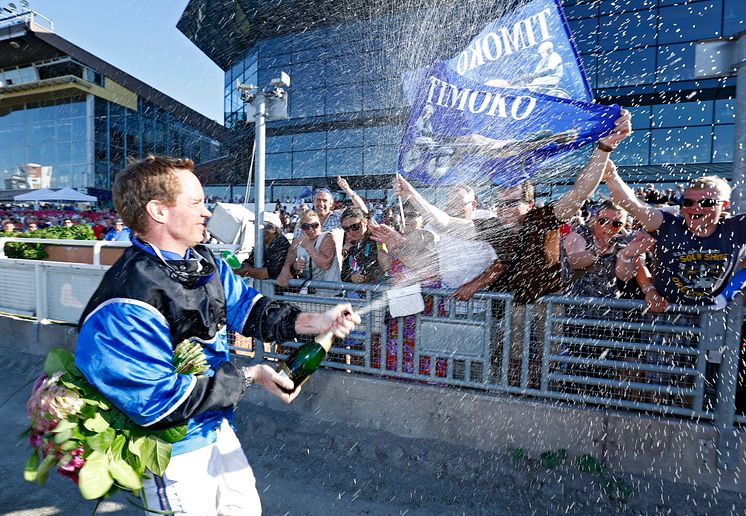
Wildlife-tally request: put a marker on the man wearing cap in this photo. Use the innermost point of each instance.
(276, 248)
(120, 232)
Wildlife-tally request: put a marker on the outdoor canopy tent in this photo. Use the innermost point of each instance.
(46, 195)
(34, 195)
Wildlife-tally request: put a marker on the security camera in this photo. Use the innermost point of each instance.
(282, 81)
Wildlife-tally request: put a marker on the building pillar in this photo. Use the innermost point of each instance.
(739, 139)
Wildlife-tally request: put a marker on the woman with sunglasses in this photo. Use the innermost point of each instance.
(315, 252)
(588, 253)
(363, 259)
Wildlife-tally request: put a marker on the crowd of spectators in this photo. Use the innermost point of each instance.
(678, 245)
(106, 224)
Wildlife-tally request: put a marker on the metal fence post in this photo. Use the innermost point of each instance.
(726, 389)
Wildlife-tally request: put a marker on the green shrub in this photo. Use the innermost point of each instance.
(36, 251)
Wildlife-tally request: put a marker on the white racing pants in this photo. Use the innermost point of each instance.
(213, 480)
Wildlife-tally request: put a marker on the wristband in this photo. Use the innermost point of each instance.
(626, 260)
(604, 147)
(248, 380)
(648, 288)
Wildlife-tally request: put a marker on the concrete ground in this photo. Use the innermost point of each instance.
(305, 465)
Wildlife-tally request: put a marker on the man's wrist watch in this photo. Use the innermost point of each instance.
(247, 378)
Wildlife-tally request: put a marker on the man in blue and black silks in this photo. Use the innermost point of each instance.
(167, 288)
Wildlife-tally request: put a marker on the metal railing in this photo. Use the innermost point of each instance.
(605, 352)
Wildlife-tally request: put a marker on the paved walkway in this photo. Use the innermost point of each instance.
(306, 466)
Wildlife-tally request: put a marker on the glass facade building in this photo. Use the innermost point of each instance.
(346, 105)
(62, 108)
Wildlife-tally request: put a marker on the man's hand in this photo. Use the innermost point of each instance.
(642, 243)
(386, 235)
(273, 382)
(283, 278)
(402, 188)
(466, 291)
(344, 185)
(622, 129)
(656, 303)
(340, 320)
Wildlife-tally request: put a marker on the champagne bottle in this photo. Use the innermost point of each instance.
(306, 359)
(231, 259)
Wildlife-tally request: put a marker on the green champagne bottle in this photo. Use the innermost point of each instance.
(231, 259)
(306, 359)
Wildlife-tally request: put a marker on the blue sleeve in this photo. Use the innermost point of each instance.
(125, 351)
(239, 299)
(253, 315)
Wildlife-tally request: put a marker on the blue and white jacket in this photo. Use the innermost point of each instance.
(147, 303)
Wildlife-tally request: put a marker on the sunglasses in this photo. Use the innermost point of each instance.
(602, 221)
(703, 203)
(312, 225)
(353, 227)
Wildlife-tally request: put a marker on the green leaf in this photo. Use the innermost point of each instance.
(173, 434)
(64, 426)
(58, 360)
(124, 474)
(552, 459)
(102, 441)
(69, 445)
(118, 445)
(517, 454)
(147, 452)
(64, 436)
(94, 480)
(134, 445)
(588, 464)
(158, 462)
(29, 470)
(96, 424)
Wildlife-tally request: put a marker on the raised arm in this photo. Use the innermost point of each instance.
(650, 218)
(590, 176)
(437, 217)
(577, 252)
(357, 201)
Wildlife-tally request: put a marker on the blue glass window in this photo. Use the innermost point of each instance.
(309, 164)
(345, 138)
(344, 70)
(346, 98)
(684, 145)
(722, 144)
(635, 29)
(640, 117)
(279, 166)
(635, 150)
(345, 162)
(725, 111)
(675, 63)
(279, 144)
(690, 22)
(682, 114)
(633, 67)
(734, 17)
(309, 141)
(306, 103)
(380, 160)
(585, 33)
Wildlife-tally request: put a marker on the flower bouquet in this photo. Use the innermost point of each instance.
(74, 428)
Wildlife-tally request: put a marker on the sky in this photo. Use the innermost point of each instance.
(140, 37)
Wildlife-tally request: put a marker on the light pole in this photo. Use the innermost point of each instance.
(721, 58)
(268, 103)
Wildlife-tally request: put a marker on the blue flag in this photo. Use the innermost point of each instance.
(460, 130)
(502, 107)
(530, 47)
